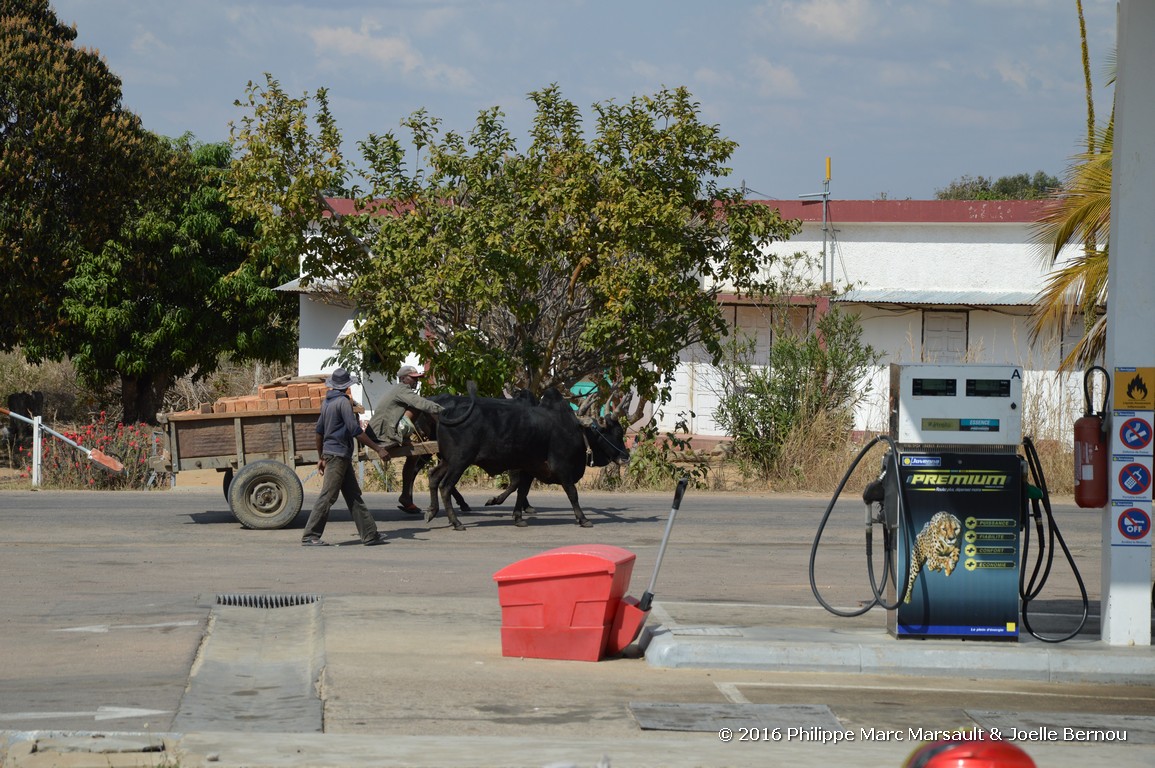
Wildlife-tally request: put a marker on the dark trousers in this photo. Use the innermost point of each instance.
(340, 479)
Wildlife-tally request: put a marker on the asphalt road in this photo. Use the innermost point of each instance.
(107, 596)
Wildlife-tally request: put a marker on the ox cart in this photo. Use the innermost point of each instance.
(257, 443)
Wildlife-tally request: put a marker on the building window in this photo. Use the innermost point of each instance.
(944, 337)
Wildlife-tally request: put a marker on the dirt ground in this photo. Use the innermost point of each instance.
(10, 479)
(723, 478)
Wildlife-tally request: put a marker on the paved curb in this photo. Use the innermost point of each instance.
(802, 649)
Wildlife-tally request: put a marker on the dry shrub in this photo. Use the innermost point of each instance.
(64, 467)
(816, 454)
(1058, 465)
(230, 380)
(92, 416)
(66, 400)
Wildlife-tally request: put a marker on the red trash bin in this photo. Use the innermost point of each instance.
(561, 603)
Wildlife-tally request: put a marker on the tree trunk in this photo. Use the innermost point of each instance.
(141, 397)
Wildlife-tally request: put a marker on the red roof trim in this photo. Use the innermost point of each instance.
(844, 211)
(345, 206)
(914, 211)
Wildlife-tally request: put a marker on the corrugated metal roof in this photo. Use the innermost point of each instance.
(948, 298)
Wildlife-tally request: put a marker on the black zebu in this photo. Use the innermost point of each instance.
(427, 428)
(546, 443)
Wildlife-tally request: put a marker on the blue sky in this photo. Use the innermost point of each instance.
(904, 96)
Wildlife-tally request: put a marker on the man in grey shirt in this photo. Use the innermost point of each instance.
(392, 421)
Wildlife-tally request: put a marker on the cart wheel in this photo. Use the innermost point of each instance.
(227, 481)
(265, 495)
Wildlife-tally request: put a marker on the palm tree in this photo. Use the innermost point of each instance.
(1079, 212)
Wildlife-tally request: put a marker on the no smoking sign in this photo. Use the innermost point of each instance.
(1135, 433)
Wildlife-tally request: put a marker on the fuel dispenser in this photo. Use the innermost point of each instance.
(957, 431)
(953, 499)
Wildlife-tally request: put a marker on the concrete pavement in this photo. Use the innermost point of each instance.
(395, 671)
(399, 660)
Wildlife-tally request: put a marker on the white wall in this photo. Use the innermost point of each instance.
(922, 256)
(320, 325)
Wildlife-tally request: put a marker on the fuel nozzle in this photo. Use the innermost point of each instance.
(873, 493)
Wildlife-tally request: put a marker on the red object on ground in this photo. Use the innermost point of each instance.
(628, 623)
(562, 603)
(969, 754)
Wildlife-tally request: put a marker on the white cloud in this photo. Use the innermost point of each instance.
(773, 79)
(147, 44)
(710, 76)
(395, 54)
(844, 21)
(646, 70)
(1011, 71)
(905, 74)
(434, 20)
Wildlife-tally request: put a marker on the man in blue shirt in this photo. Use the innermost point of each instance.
(337, 429)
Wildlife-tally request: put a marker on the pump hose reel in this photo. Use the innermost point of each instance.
(874, 493)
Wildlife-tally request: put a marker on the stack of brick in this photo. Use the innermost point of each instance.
(295, 396)
(289, 394)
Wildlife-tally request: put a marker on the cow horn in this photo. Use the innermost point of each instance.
(587, 404)
(615, 401)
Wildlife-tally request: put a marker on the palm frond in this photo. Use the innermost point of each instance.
(1079, 213)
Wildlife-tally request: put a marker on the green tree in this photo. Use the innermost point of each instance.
(175, 290)
(584, 257)
(1079, 213)
(1021, 186)
(71, 161)
(807, 376)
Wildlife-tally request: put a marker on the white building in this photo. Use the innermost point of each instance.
(930, 280)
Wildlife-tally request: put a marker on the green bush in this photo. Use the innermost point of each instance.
(658, 461)
(63, 466)
(821, 373)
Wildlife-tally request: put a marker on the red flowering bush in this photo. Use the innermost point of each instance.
(63, 466)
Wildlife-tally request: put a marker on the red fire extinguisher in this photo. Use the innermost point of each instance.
(1091, 448)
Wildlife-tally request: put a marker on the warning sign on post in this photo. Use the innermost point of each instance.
(1134, 389)
(1132, 524)
(1134, 477)
(1134, 431)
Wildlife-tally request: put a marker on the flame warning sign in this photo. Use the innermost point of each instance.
(1134, 389)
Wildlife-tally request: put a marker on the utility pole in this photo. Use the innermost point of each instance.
(827, 260)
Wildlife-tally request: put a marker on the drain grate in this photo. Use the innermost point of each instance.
(267, 601)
